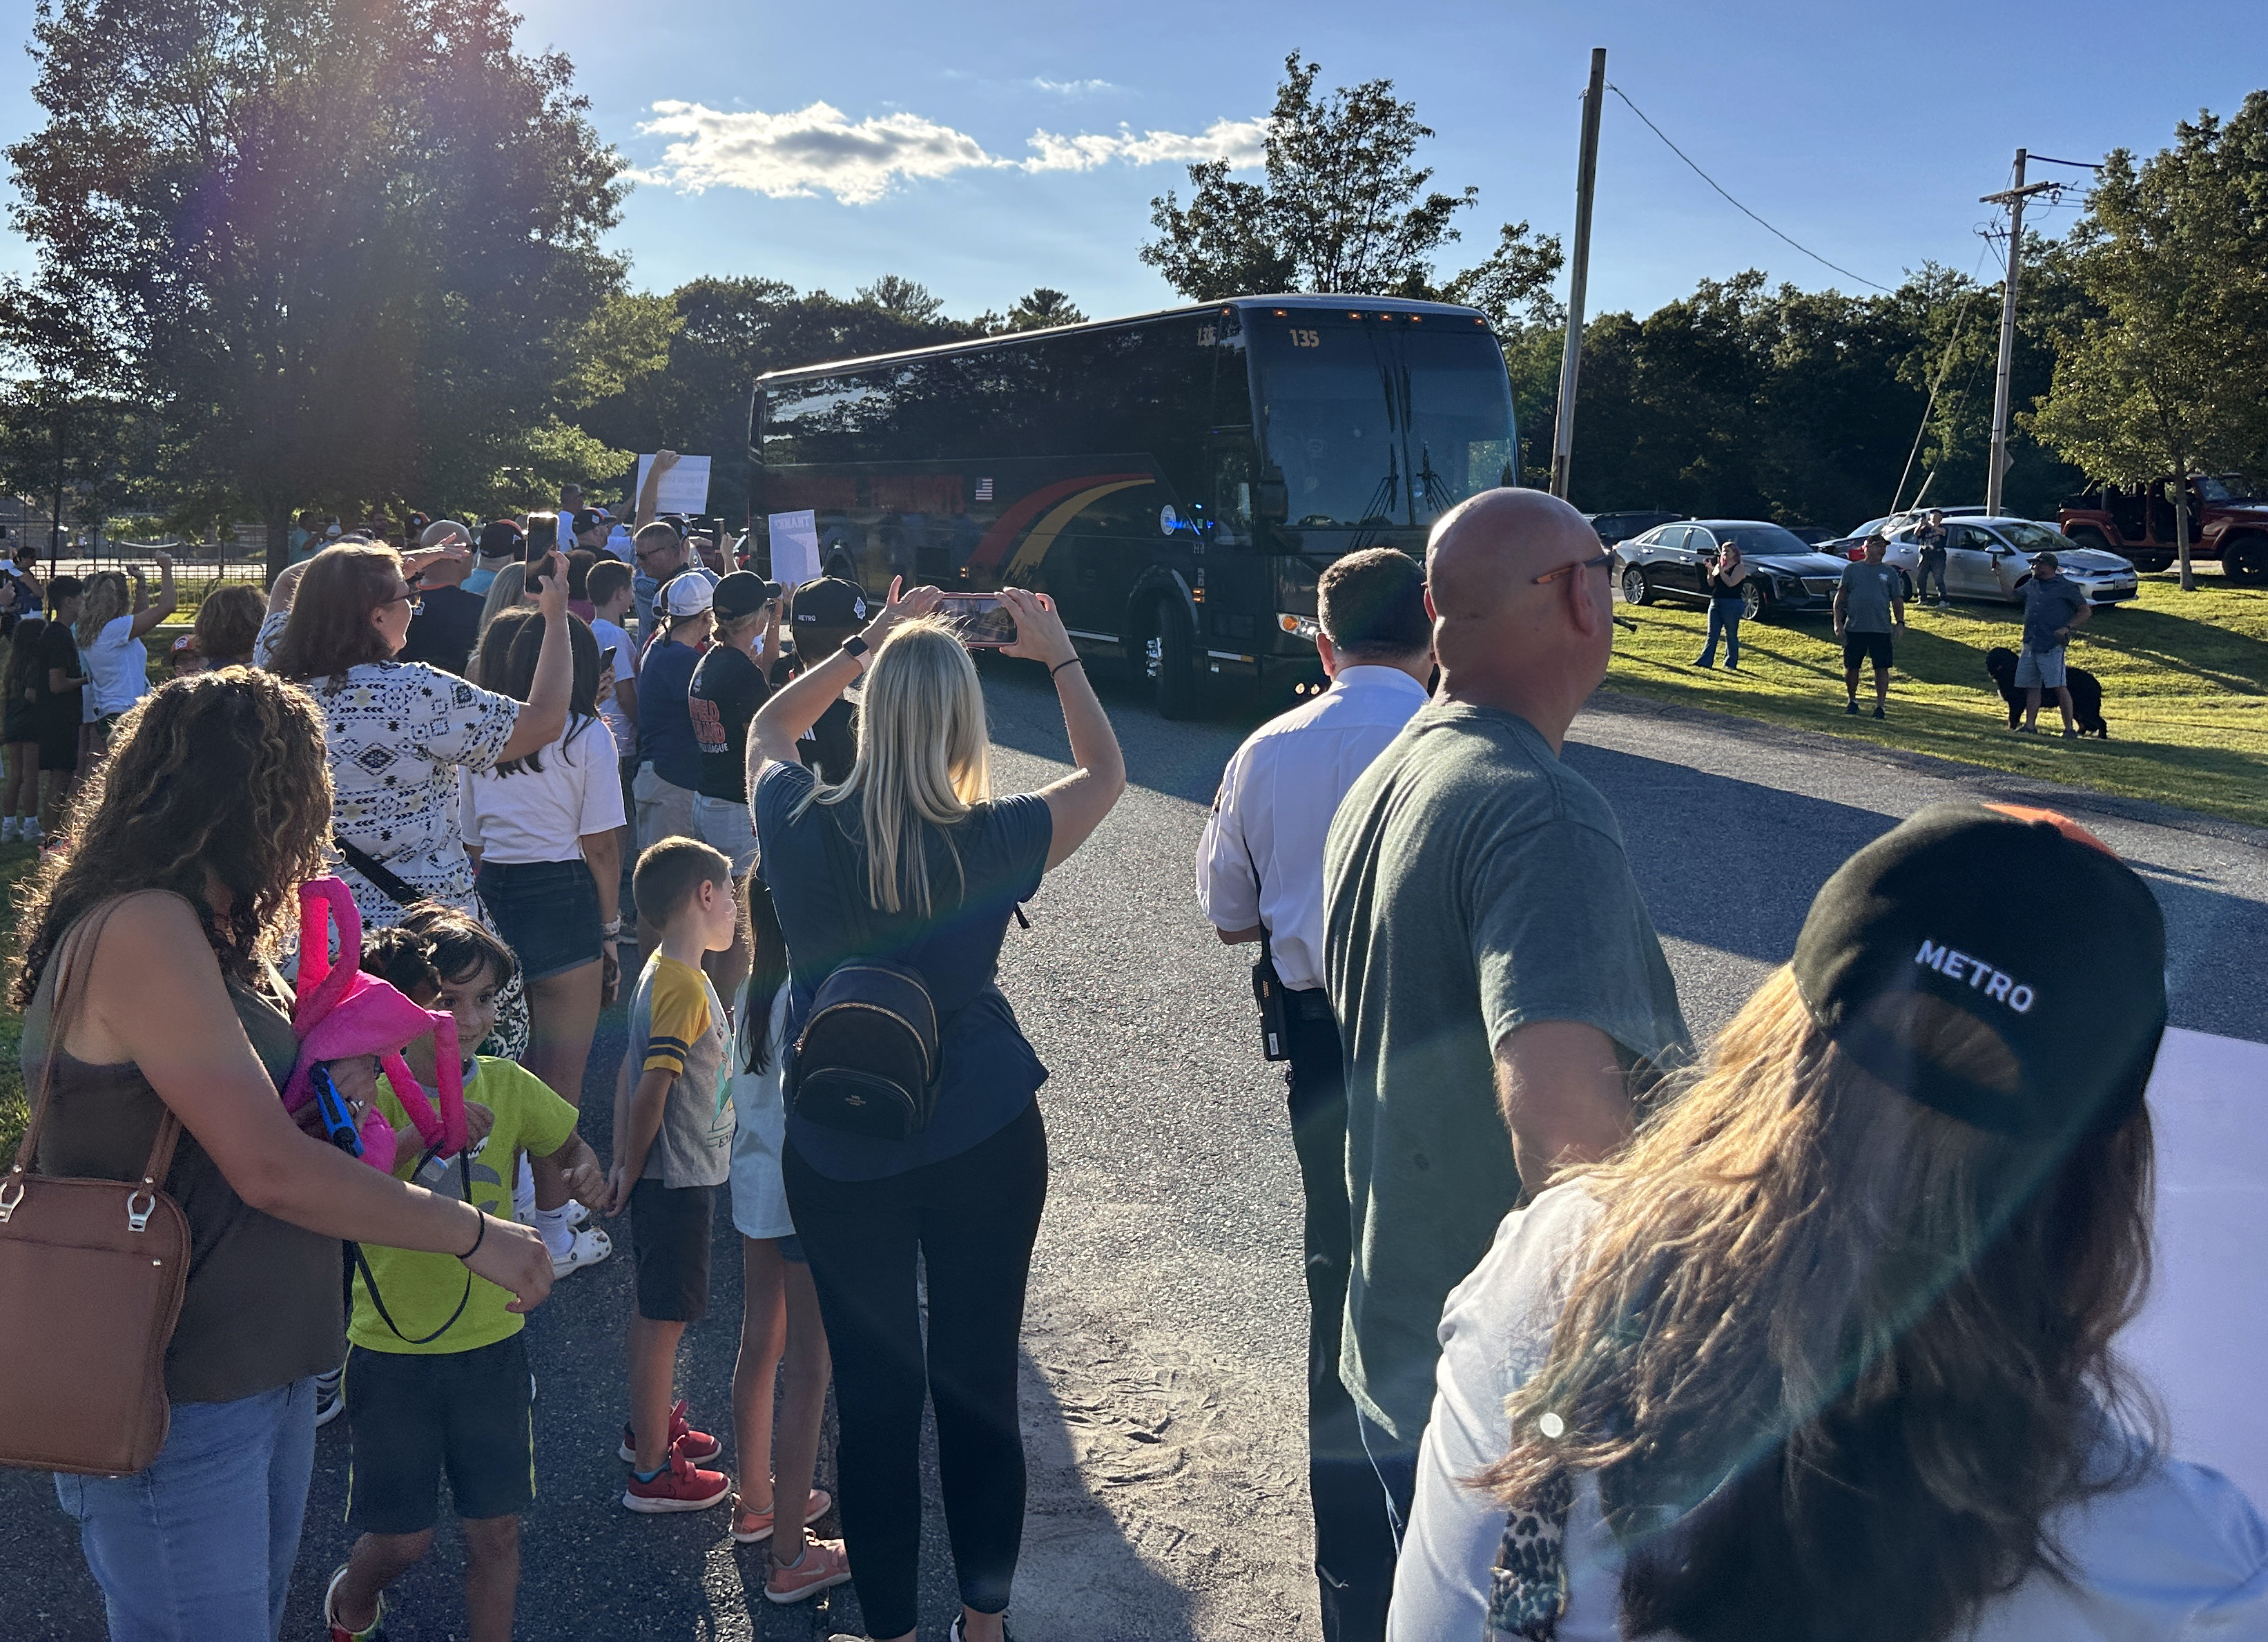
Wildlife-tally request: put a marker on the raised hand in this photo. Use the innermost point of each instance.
(1040, 635)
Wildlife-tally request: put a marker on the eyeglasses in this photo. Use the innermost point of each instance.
(411, 597)
(1599, 562)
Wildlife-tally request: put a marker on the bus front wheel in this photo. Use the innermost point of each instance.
(1172, 664)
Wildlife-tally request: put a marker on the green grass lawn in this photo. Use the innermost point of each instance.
(16, 860)
(2185, 690)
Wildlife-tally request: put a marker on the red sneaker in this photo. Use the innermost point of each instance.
(681, 1485)
(701, 1449)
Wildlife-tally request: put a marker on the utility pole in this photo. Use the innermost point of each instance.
(1570, 362)
(2013, 199)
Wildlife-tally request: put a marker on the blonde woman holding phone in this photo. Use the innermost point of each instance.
(912, 860)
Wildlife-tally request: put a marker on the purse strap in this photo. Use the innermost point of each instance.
(72, 960)
(382, 878)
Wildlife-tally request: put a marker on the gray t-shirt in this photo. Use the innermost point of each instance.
(1473, 884)
(2049, 607)
(677, 1026)
(1867, 591)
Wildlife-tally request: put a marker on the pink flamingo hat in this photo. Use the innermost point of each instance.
(340, 1012)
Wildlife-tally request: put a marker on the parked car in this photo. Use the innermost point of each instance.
(1810, 534)
(1898, 529)
(2227, 522)
(1991, 558)
(1614, 527)
(1784, 573)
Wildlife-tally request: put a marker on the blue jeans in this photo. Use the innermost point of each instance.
(199, 1548)
(1724, 617)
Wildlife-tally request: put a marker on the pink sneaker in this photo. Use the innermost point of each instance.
(752, 1527)
(703, 1448)
(823, 1565)
(681, 1485)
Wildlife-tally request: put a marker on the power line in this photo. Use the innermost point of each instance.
(1735, 204)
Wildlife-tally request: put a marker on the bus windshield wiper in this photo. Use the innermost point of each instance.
(1434, 488)
(1389, 490)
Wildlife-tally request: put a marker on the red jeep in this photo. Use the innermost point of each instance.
(2227, 522)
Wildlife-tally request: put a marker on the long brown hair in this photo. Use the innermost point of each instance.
(1833, 1357)
(330, 628)
(509, 652)
(215, 774)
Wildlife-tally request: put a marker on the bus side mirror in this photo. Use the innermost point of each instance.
(1271, 499)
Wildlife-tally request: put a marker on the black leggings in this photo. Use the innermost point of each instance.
(972, 1219)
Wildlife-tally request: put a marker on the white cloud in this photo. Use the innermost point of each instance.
(1071, 88)
(820, 148)
(1242, 142)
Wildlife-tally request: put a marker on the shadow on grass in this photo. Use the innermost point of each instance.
(2201, 649)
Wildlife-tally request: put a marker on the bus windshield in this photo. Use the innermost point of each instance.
(1376, 425)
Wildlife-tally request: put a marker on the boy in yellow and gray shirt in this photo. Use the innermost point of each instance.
(673, 1149)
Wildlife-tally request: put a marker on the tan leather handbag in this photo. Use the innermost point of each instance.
(92, 1274)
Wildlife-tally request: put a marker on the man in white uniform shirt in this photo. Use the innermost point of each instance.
(1260, 876)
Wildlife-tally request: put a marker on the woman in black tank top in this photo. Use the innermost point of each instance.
(187, 847)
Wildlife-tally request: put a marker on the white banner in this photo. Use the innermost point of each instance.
(684, 488)
(795, 547)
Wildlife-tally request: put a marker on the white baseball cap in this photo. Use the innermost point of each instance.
(687, 596)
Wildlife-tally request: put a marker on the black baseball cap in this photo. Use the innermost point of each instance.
(828, 604)
(2021, 921)
(501, 539)
(743, 593)
(2046, 562)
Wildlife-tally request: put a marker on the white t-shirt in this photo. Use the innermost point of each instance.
(117, 666)
(544, 814)
(2182, 1554)
(613, 635)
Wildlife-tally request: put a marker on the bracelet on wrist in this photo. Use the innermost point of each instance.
(612, 929)
(480, 1236)
(1060, 665)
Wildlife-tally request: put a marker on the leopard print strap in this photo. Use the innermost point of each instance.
(1527, 1587)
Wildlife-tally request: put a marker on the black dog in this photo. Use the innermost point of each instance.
(2086, 693)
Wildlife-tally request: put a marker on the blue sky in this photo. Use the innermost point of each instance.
(1865, 133)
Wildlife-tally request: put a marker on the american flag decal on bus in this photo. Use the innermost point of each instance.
(984, 490)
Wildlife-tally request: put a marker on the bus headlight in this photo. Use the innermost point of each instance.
(1299, 626)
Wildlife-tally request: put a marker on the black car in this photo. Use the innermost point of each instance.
(1784, 573)
(1614, 527)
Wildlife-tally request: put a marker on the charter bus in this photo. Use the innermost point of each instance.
(1177, 481)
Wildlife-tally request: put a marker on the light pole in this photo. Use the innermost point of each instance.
(1578, 272)
(2013, 198)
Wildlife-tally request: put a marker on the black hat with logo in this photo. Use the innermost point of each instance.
(827, 605)
(2018, 920)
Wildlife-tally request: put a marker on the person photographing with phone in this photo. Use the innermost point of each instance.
(912, 864)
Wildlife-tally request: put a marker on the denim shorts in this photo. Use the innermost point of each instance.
(547, 911)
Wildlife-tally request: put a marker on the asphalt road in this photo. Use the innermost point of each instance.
(1164, 1344)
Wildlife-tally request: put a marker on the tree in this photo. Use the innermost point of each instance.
(1043, 308)
(902, 300)
(341, 249)
(2166, 379)
(1342, 210)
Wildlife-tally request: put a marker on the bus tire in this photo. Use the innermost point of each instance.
(1174, 663)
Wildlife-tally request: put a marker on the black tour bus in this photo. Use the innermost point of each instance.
(1176, 481)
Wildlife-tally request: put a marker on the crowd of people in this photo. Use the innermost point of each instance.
(1803, 1332)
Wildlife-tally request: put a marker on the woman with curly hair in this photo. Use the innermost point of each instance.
(1827, 1352)
(186, 846)
(399, 732)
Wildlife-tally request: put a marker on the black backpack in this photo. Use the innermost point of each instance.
(866, 1061)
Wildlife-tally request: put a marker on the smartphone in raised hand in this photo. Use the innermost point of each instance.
(542, 538)
(982, 621)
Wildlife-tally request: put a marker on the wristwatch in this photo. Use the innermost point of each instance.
(856, 648)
